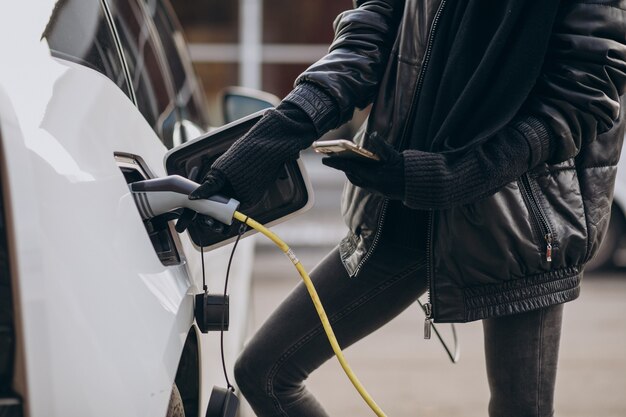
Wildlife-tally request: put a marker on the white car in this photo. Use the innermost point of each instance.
(96, 305)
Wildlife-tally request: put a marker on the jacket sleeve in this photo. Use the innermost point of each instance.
(576, 97)
(578, 93)
(348, 75)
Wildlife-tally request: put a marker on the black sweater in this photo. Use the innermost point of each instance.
(432, 180)
(464, 171)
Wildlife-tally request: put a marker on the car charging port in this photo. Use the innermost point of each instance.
(159, 228)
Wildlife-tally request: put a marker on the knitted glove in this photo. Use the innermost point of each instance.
(384, 177)
(254, 162)
(215, 182)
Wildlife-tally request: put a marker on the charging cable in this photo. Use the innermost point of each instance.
(162, 195)
(318, 307)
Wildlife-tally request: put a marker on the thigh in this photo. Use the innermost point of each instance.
(521, 354)
(292, 340)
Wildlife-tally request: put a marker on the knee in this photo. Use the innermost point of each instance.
(248, 374)
(260, 375)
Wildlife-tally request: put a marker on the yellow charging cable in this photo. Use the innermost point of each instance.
(318, 306)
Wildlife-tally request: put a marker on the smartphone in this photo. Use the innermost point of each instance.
(343, 148)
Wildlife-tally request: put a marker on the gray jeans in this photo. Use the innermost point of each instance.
(521, 350)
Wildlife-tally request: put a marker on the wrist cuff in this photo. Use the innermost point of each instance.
(538, 137)
(317, 104)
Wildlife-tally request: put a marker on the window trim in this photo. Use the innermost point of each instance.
(173, 107)
(159, 51)
(118, 45)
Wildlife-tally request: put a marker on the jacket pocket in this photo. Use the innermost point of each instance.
(542, 227)
(557, 191)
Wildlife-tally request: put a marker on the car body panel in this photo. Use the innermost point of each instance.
(101, 321)
(96, 303)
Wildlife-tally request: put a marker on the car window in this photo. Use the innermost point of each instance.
(189, 92)
(149, 73)
(79, 32)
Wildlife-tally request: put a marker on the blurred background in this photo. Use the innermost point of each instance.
(261, 44)
(265, 44)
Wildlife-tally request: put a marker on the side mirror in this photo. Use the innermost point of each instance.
(238, 102)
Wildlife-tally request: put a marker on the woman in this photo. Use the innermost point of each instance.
(499, 125)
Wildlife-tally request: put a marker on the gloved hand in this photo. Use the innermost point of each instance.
(254, 162)
(215, 182)
(384, 177)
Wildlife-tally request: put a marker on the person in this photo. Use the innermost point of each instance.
(499, 126)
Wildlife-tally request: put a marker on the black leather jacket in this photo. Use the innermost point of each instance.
(525, 246)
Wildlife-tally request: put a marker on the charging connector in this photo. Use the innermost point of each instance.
(162, 195)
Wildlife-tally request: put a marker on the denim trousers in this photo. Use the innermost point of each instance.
(521, 350)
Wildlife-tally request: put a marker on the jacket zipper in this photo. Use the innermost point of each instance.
(376, 237)
(418, 88)
(420, 80)
(428, 306)
(538, 216)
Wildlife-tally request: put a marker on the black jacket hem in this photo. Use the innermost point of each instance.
(521, 295)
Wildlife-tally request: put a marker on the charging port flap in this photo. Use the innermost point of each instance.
(290, 194)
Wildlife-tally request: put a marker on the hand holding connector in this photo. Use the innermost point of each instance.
(162, 195)
(215, 182)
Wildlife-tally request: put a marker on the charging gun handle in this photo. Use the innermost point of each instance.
(161, 195)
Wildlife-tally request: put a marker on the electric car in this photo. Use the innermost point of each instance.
(96, 304)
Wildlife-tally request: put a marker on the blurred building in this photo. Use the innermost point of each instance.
(262, 44)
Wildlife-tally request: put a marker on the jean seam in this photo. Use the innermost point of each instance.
(334, 320)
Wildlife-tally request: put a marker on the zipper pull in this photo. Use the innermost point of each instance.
(549, 247)
(428, 321)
